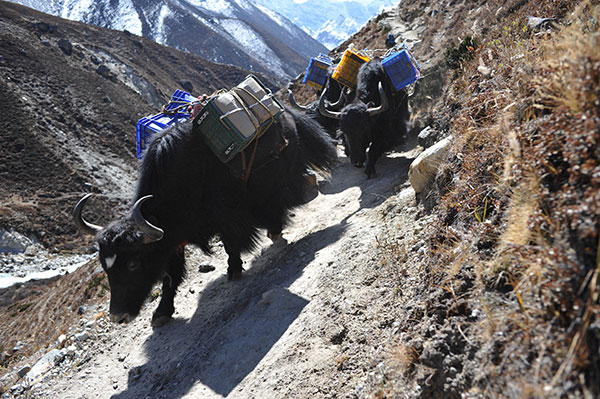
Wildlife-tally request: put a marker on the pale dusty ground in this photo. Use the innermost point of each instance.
(307, 320)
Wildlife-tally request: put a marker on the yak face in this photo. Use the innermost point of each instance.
(356, 124)
(129, 255)
(132, 267)
(356, 128)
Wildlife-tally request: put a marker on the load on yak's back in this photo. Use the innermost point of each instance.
(317, 72)
(401, 67)
(174, 112)
(228, 120)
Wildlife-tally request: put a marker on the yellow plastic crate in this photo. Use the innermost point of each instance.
(347, 70)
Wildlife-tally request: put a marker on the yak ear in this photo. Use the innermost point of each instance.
(139, 236)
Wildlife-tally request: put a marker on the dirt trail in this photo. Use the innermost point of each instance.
(305, 321)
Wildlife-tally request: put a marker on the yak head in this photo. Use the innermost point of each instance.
(356, 123)
(129, 255)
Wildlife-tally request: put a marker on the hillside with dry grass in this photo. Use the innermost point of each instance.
(517, 204)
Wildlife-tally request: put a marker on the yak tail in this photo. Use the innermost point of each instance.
(317, 146)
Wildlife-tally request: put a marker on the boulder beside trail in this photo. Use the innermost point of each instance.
(424, 168)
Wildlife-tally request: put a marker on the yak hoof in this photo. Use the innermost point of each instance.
(160, 320)
(274, 236)
(234, 276)
(310, 178)
(370, 174)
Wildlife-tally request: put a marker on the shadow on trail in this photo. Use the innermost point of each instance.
(235, 325)
(392, 172)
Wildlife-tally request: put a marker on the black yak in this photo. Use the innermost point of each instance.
(186, 195)
(375, 121)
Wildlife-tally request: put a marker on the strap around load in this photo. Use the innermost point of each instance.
(253, 119)
(247, 108)
(233, 119)
(260, 103)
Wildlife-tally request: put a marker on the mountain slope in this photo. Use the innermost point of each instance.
(69, 116)
(330, 22)
(225, 31)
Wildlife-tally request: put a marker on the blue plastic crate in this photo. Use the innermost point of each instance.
(150, 125)
(316, 73)
(178, 99)
(402, 68)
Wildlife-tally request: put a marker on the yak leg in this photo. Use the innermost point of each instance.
(274, 229)
(271, 215)
(176, 270)
(375, 151)
(234, 260)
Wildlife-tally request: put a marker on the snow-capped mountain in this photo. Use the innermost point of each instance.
(330, 22)
(228, 31)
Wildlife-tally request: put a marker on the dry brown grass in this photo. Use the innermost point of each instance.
(520, 200)
(52, 308)
(572, 65)
(537, 169)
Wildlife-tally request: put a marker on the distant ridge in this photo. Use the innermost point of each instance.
(229, 31)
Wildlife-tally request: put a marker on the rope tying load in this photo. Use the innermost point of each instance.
(230, 120)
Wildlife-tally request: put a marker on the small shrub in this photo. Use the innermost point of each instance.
(456, 56)
(386, 28)
(97, 281)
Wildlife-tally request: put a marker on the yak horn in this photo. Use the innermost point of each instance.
(340, 102)
(80, 222)
(325, 112)
(151, 232)
(294, 103)
(384, 103)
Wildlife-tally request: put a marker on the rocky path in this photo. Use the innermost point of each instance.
(308, 319)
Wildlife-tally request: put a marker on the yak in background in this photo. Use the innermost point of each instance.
(375, 121)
